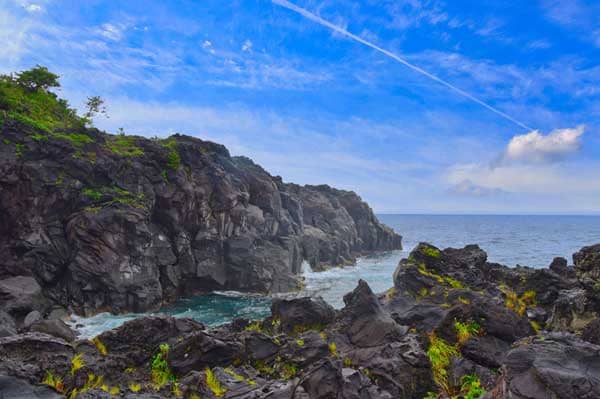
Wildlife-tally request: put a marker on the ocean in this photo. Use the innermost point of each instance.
(511, 240)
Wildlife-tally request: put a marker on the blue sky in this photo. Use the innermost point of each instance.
(316, 106)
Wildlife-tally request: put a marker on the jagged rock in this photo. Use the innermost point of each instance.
(302, 312)
(366, 323)
(552, 366)
(56, 328)
(113, 225)
(587, 264)
(570, 312)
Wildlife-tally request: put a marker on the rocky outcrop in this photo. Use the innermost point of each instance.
(95, 222)
(453, 326)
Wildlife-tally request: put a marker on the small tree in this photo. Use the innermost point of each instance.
(94, 106)
(38, 78)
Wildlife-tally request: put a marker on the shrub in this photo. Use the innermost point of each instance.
(471, 387)
(159, 368)
(37, 78)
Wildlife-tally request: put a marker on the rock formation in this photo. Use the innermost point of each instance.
(453, 326)
(95, 222)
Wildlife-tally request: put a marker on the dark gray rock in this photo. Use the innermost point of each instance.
(552, 366)
(15, 388)
(302, 313)
(56, 328)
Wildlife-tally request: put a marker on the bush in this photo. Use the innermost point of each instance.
(37, 78)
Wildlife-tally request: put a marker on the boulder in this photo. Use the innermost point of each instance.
(302, 313)
(20, 294)
(365, 321)
(31, 318)
(56, 328)
(555, 365)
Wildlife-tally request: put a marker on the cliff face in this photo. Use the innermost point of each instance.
(123, 223)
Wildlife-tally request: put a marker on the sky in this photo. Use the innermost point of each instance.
(420, 106)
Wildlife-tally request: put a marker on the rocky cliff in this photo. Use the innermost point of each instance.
(97, 222)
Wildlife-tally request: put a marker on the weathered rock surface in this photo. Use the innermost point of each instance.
(550, 366)
(453, 326)
(123, 223)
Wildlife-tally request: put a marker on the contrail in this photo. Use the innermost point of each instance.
(321, 21)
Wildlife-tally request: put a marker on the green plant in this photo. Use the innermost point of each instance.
(124, 146)
(100, 346)
(19, 148)
(471, 387)
(214, 384)
(159, 368)
(299, 342)
(440, 353)
(54, 381)
(333, 349)
(135, 387)
(77, 363)
(77, 139)
(93, 194)
(464, 331)
(239, 377)
(288, 371)
(431, 252)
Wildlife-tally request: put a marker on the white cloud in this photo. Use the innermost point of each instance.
(111, 31)
(535, 147)
(247, 46)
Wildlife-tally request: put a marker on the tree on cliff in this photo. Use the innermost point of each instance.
(94, 106)
(38, 78)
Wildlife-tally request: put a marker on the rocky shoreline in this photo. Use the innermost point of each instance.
(452, 326)
(94, 222)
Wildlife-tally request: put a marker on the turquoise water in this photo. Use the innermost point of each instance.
(526, 240)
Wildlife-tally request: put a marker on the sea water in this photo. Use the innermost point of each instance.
(511, 240)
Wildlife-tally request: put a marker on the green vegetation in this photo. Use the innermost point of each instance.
(100, 346)
(516, 303)
(173, 157)
(453, 283)
(333, 349)
(464, 331)
(214, 384)
(124, 146)
(431, 252)
(238, 377)
(77, 363)
(440, 354)
(54, 381)
(159, 368)
(134, 387)
(471, 387)
(27, 99)
(19, 148)
(116, 194)
(77, 139)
